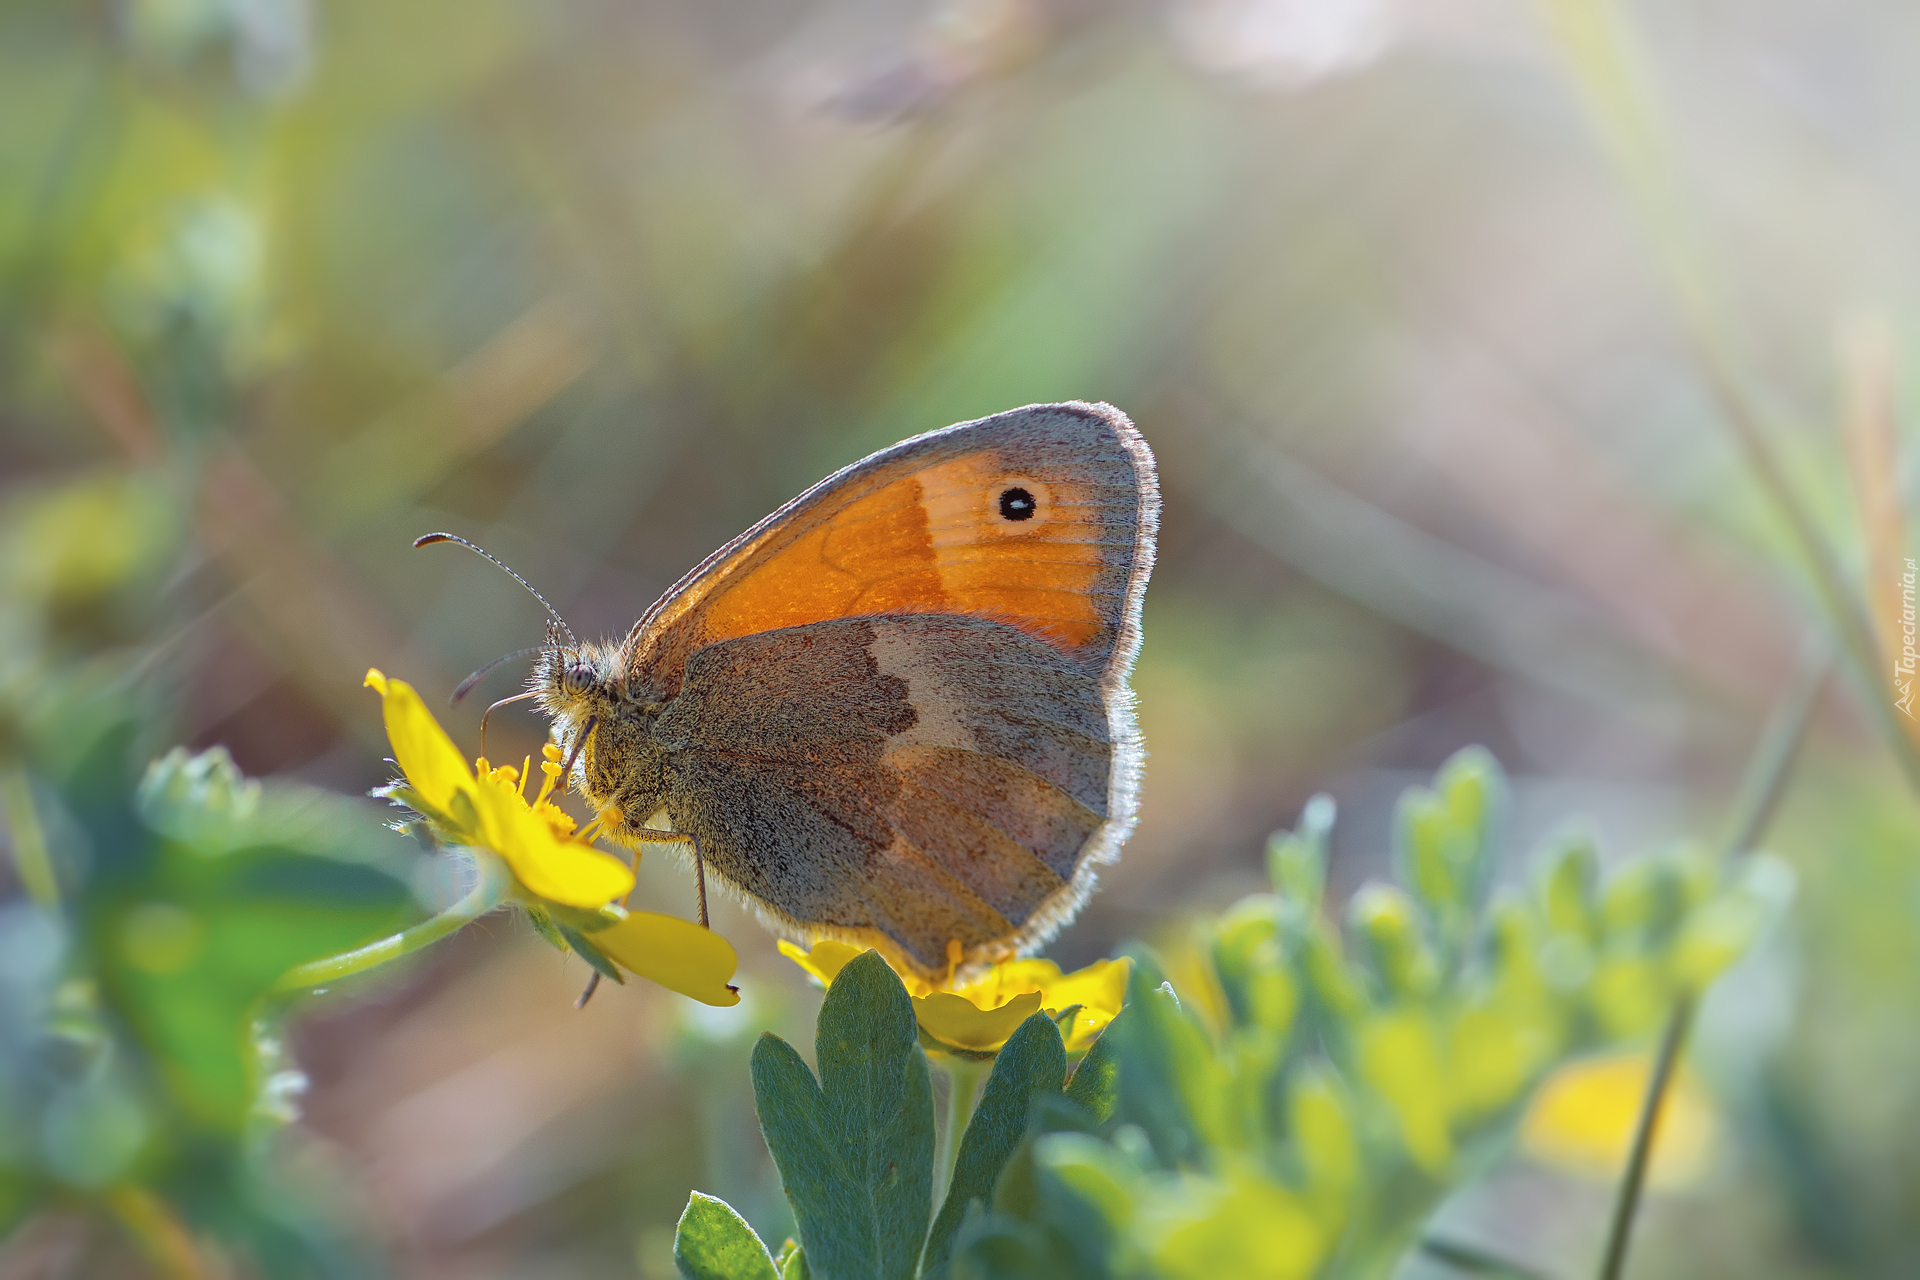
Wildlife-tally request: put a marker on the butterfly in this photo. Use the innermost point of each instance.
(895, 712)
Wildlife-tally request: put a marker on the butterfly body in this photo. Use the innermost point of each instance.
(895, 712)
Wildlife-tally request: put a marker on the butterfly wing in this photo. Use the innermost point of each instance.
(900, 781)
(898, 707)
(1042, 518)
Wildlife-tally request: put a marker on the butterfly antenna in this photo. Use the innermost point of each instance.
(424, 539)
(466, 686)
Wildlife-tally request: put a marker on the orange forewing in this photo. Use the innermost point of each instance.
(931, 541)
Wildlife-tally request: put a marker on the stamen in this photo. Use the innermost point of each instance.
(550, 766)
(954, 954)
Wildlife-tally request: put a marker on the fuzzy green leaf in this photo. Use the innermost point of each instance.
(715, 1243)
(1097, 1079)
(855, 1148)
(1033, 1061)
(1171, 1083)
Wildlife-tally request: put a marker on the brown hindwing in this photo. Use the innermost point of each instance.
(904, 781)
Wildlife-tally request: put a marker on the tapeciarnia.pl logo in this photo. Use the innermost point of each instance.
(1904, 668)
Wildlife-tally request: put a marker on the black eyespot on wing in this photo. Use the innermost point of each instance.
(1016, 504)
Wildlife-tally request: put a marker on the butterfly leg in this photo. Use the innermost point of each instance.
(648, 835)
(651, 836)
(700, 874)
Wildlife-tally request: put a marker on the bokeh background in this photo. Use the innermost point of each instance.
(1429, 369)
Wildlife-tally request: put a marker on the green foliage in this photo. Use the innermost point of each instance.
(713, 1242)
(1299, 1112)
(855, 1148)
(1303, 1112)
(142, 986)
(1032, 1062)
(246, 882)
(1095, 1082)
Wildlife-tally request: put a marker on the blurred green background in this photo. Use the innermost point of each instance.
(285, 284)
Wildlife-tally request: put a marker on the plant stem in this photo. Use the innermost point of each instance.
(1767, 770)
(1760, 793)
(30, 858)
(1627, 1203)
(963, 1090)
(487, 893)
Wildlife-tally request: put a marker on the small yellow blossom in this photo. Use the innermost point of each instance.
(1584, 1115)
(545, 856)
(979, 1014)
(557, 871)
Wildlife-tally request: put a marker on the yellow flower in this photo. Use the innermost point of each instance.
(977, 1015)
(561, 875)
(490, 809)
(1584, 1115)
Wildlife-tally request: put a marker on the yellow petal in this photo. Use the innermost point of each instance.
(1086, 1028)
(824, 961)
(960, 1022)
(1584, 1115)
(1010, 978)
(560, 870)
(675, 953)
(1101, 987)
(433, 765)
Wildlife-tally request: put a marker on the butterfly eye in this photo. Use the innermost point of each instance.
(577, 679)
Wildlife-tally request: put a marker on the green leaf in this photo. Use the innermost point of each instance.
(1094, 1174)
(1017, 1193)
(578, 944)
(1171, 1083)
(240, 881)
(713, 1242)
(1567, 878)
(545, 926)
(792, 1261)
(1297, 860)
(992, 1246)
(1387, 925)
(1444, 839)
(855, 1148)
(1033, 1061)
(1096, 1081)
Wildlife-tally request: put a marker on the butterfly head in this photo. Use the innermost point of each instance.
(574, 681)
(598, 723)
